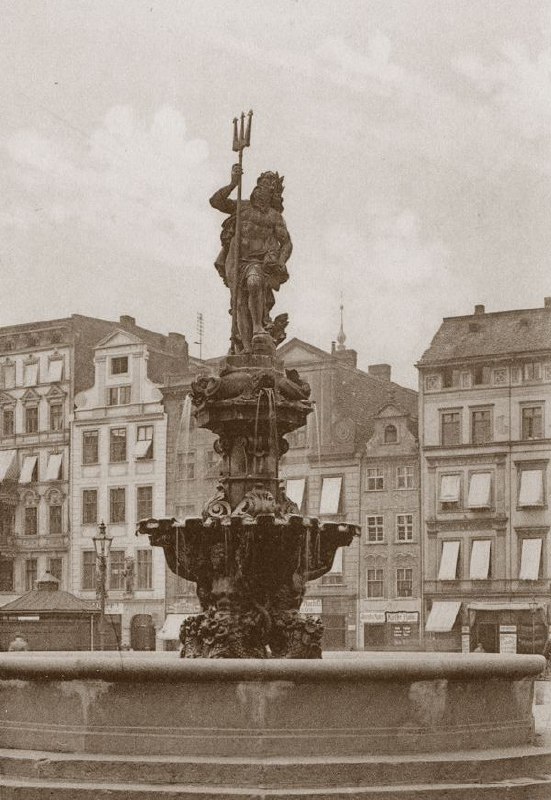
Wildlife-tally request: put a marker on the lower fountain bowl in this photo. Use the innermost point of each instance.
(158, 704)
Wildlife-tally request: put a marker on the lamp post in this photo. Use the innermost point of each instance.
(533, 609)
(102, 545)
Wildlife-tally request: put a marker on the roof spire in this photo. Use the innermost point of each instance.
(341, 338)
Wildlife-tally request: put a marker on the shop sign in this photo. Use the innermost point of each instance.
(402, 616)
(373, 617)
(466, 642)
(35, 618)
(113, 608)
(191, 606)
(311, 605)
(507, 638)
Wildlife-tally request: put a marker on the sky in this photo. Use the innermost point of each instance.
(414, 136)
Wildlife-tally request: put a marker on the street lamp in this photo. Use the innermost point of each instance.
(102, 545)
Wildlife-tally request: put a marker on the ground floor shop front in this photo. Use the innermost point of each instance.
(483, 626)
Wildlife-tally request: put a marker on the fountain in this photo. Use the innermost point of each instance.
(251, 710)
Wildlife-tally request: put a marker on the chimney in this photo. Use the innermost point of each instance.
(177, 342)
(380, 371)
(547, 302)
(479, 309)
(127, 321)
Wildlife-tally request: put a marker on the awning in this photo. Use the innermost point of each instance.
(53, 472)
(8, 464)
(448, 561)
(55, 370)
(504, 606)
(450, 486)
(29, 464)
(337, 562)
(30, 377)
(330, 495)
(442, 615)
(530, 560)
(531, 488)
(171, 628)
(480, 490)
(143, 447)
(294, 489)
(480, 560)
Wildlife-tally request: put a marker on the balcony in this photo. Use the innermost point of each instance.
(488, 588)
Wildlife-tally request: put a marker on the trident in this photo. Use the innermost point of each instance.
(241, 140)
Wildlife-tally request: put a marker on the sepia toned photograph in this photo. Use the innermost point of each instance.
(275, 364)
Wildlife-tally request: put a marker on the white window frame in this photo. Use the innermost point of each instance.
(406, 478)
(378, 476)
(406, 526)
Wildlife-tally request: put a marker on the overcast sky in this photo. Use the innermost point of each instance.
(414, 136)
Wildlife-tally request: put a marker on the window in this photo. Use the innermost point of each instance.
(391, 434)
(297, 438)
(117, 505)
(479, 568)
(375, 529)
(118, 395)
(481, 426)
(482, 375)
(144, 443)
(144, 502)
(31, 521)
(55, 566)
(404, 477)
(450, 428)
(450, 492)
(31, 419)
(480, 490)
(89, 506)
(6, 574)
(186, 466)
(404, 582)
(55, 521)
(88, 580)
(530, 561)
(117, 444)
(532, 371)
(30, 374)
(144, 561)
(211, 461)
(56, 416)
(531, 488)
(119, 365)
(404, 527)
(8, 421)
(375, 583)
(449, 561)
(330, 495)
(30, 574)
(450, 378)
(532, 422)
(375, 479)
(90, 447)
(116, 570)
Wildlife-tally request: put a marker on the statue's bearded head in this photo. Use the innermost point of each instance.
(268, 190)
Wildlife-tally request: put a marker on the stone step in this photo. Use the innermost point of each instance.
(467, 766)
(519, 789)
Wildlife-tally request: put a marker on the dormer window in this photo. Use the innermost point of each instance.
(119, 365)
(391, 434)
(118, 395)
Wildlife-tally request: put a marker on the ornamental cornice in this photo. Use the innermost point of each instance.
(495, 523)
(465, 459)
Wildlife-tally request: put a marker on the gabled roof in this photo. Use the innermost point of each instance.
(500, 333)
(118, 338)
(298, 350)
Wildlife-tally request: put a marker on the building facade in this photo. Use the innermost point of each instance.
(390, 578)
(118, 474)
(485, 438)
(42, 366)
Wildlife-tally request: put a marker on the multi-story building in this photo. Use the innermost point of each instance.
(42, 366)
(323, 470)
(485, 439)
(118, 473)
(390, 579)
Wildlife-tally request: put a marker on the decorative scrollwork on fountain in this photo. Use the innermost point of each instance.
(218, 505)
(257, 501)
